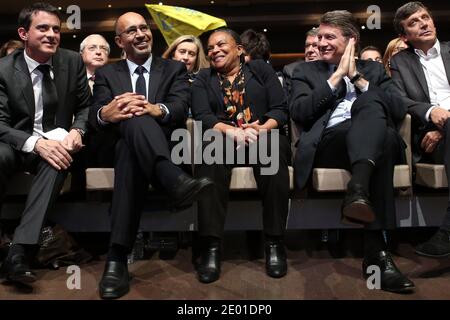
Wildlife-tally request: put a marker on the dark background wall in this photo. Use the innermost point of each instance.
(286, 21)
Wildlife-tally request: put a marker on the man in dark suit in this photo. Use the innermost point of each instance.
(41, 88)
(311, 54)
(141, 99)
(422, 78)
(345, 111)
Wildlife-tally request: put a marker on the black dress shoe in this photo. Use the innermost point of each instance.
(276, 265)
(356, 208)
(209, 268)
(115, 280)
(437, 247)
(188, 190)
(391, 277)
(17, 269)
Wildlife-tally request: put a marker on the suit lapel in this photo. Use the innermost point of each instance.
(23, 80)
(156, 71)
(419, 74)
(124, 76)
(215, 86)
(61, 78)
(247, 74)
(445, 52)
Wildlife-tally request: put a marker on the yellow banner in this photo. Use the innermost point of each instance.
(177, 21)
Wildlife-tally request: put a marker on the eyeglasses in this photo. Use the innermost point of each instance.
(132, 31)
(94, 47)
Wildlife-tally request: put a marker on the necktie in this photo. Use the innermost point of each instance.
(49, 98)
(140, 82)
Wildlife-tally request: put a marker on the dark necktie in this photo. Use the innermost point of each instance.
(49, 98)
(140, 82)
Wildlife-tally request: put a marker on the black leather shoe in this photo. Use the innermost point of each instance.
(188, 190)
(437, 247)
(356, 208)
(276, 265)
(17, 269)
(391, 277)
(115, 280)
(209, 268)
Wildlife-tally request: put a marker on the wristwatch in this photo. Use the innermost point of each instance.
(356, 77)
(80, 131)
(163, 110)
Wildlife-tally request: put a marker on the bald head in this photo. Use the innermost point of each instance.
(122, 21)
(133, 36)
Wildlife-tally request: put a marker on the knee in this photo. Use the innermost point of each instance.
(138, 124)
(373, 99)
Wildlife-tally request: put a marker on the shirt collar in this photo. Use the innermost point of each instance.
(434, 51)
(133, 66)
(33, 64)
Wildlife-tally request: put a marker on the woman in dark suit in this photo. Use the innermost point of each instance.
(242, 101)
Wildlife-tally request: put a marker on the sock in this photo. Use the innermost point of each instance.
(167, 173)
(361, 173)
(374, 242)
(118, 253)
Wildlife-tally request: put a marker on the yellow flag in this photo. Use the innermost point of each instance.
(177, 21)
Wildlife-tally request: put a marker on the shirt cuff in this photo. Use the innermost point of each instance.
(365, 88)
(428, 114)
(29, 144)
(99, 120)
(333, 89)
(166, 117)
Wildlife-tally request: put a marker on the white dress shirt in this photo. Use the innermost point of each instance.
(437, 82)
(36, 81)
(343, 110)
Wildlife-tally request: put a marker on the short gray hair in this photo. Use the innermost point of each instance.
(83, 43)
(313, 32)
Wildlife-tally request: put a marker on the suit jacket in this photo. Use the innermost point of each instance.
(168, 85)
(411, 86)
(17, 105)
(312, 103)
(263, 92)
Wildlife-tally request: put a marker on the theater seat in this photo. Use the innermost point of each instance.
(242, 179)
(20, 184)
(431, 175)
(332, 180)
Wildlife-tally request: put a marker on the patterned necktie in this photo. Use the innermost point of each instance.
(49, 98)
(140, 82)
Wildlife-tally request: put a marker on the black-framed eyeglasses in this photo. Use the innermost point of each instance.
(132, 31)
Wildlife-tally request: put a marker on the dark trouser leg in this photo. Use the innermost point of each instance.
(212, 210)
(366, 134)
(44, 190)
(147, 141)
(382, 193)
(441, 154)
(274, 190)
(8, 163)
(130, 186)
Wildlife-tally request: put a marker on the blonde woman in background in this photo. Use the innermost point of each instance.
(188, 49)
(394, 46)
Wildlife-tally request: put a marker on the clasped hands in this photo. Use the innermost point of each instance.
(128, 105)
(58, 153)
(347, 65)
(439, 117)
(247, 134)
